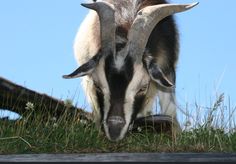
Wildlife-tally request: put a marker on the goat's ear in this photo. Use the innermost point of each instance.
(157, 74)
(85, 69)
(159, 77)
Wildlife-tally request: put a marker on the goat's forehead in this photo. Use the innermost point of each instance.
(117, 74)
(119, 68)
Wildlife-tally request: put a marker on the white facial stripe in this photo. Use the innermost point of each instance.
(120, 58)
(119, 62)
(100, 78)
(100, 73)
(140, 78)
(128, 115)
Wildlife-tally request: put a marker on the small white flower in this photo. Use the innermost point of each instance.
(24, 121)
(131, 127)
(139, 129)
(187, 123)
(68, 103)
(54, 119)
(29, 106)
(55, 125)
(83, 121)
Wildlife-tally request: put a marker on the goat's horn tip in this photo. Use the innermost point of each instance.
(88, 5)
(192, 5)
(66, 77)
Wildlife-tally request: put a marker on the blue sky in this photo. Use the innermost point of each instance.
(36, 40)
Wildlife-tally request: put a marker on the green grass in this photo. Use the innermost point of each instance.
(35, 134)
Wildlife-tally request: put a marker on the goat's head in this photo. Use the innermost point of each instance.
(121, 75)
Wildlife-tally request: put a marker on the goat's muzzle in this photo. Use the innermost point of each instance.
(115, 125)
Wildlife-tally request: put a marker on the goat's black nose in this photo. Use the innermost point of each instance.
(115, 125)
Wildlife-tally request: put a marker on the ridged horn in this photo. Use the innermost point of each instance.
(106, 13)
(144, 23)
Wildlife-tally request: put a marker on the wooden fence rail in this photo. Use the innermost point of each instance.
(15, 97)
(122, 157)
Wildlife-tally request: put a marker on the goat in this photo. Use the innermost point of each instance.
(127, 51)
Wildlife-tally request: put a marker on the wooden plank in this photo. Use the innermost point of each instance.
(122, 157)
(15, 97)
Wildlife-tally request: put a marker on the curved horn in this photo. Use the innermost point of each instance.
(145, 22)
(106, 13)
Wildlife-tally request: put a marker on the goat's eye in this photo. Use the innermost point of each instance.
(119, 46)
(98, 88)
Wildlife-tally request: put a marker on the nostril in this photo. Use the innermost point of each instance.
(116, 121)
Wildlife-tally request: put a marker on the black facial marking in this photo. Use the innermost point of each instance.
(100, 99)
(120, 46)
(118, 81)
(122, 33)
(138, 102)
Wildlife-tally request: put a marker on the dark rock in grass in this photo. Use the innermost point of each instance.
(157, 123)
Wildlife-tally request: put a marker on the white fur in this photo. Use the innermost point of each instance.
(100, 78)
(86, 44)
(119, 62)
(140, 78)
(149, 100)
(167, 103)
(97, 76)
(90, 93)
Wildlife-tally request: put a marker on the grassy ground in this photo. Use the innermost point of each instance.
(35, 134)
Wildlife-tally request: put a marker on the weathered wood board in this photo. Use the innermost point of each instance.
(122, 157)
(15, 97)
